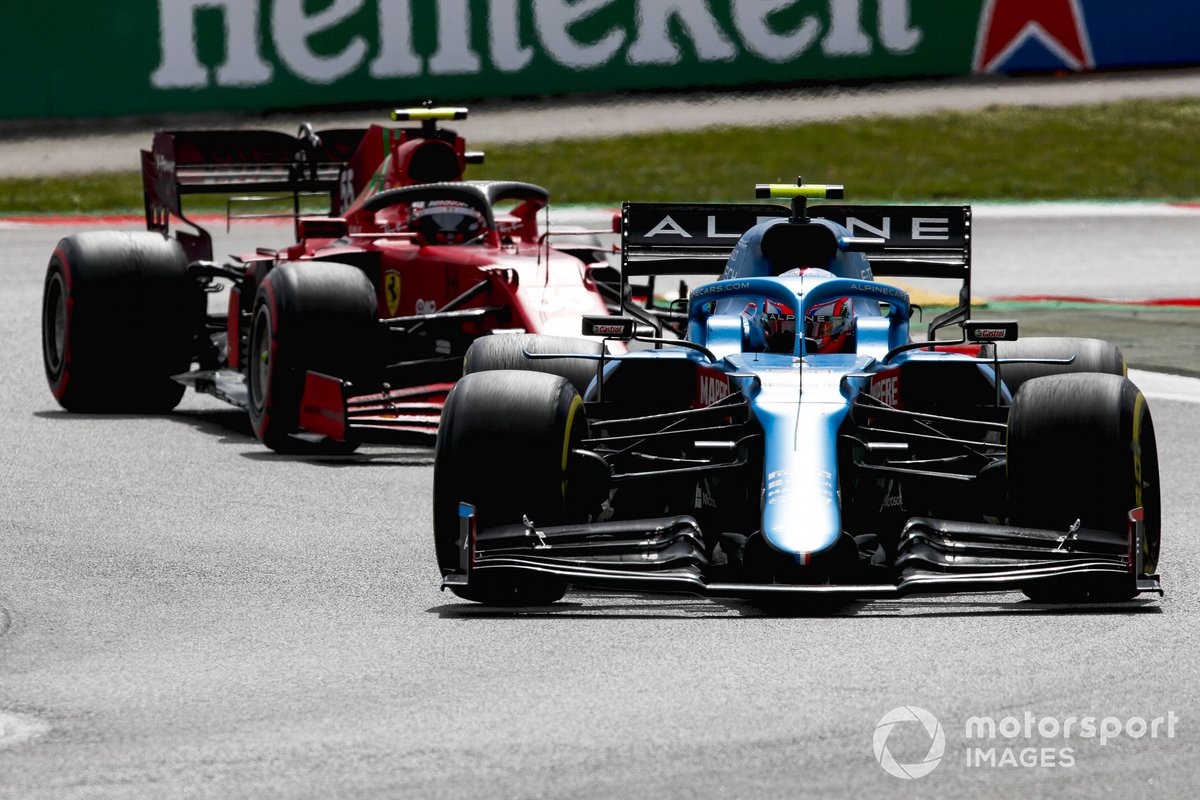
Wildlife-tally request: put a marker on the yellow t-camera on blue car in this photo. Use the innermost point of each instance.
(428, 114)
(799, 194)
(812, 191)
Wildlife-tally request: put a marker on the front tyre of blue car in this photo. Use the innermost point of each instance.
(1083, 447)
(502, 447)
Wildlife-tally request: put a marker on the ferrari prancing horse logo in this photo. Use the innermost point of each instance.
(391, 291)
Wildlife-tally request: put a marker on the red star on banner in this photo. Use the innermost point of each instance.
(1005, 25)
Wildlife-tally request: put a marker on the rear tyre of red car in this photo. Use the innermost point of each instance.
(507, 351)
(1083, 447)
(119, 318)
(316, 316)
(503, 446)
(1091, 355)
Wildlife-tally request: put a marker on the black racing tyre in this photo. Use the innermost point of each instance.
(1083, 447)
(507, 351)
(1091, 355)
(502, 446)
(119, 318)
(312, 315)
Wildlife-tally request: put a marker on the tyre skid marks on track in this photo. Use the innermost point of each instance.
(16, 729)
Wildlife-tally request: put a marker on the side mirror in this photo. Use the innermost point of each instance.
(862, 244)
(609, 327)
(321, 228)
(990, 330)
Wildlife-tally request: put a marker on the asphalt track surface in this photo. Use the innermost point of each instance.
(185, 614)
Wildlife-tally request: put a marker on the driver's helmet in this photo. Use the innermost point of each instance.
(828, 326)
(446, 222)
(779, 327)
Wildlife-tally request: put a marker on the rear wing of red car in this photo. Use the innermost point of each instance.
(904, 241)
(182, 163)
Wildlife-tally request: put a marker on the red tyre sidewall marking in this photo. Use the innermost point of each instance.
(233, 329)
(59, 387)
(265, 419)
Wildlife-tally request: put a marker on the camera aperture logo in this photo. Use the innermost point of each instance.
(932, 728)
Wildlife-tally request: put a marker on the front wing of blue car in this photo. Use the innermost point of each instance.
(668, 555)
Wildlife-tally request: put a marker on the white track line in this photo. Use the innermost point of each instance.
(1160, 386)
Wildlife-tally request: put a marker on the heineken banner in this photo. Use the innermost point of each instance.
(85, 58)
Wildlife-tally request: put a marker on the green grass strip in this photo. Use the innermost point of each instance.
(1140, 149)
(93, 193)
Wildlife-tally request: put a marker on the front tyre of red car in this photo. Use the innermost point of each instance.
(119, 318)
(314, 316)
(1082, 447)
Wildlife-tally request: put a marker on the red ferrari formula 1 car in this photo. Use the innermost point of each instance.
(357, 330)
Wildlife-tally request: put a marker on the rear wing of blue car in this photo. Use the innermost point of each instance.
(686, 238)
(680, 239)
(904, 241)
(919, 242)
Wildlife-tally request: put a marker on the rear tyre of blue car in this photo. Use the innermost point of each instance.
(1082, 447)
(314, 316)
(507, 351)
(503, 445)
(1091, 355)
(119, 318)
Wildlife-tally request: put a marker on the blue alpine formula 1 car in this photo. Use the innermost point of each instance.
(796, 444)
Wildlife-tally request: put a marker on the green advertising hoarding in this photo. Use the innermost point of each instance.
(83, 59)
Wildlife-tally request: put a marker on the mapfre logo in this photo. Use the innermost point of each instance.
(885, 387)
(927, 728)
(711, 387)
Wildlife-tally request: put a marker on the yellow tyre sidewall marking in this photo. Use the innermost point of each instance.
(1139, 403)
(576, 404)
